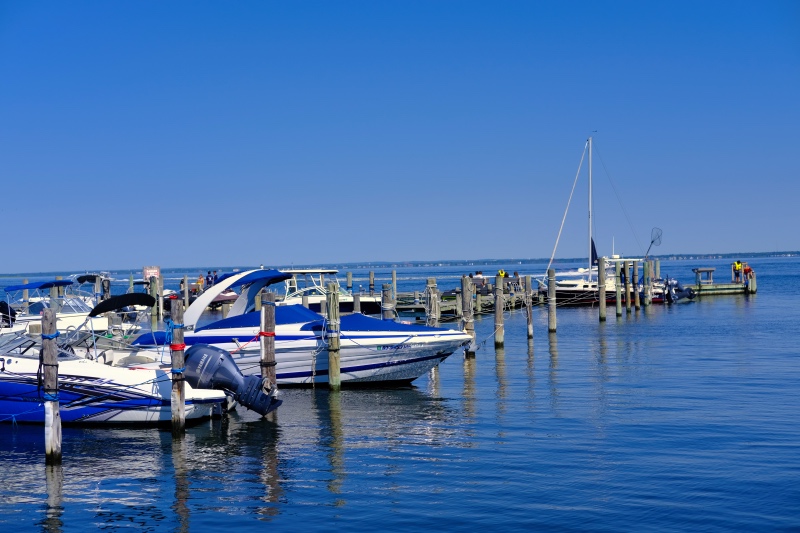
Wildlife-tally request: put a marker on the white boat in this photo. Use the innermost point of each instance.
(310, 285)
(91, 393)
(71, 310)
(371, 350)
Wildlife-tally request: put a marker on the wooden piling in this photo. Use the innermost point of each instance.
(98, 287)
(130, 283)
(394, 286)
(25, 297)
(178, 396)
(154, 309)
(499, 307)
(186, 291)
(334, 376)
(601, 287)
(323, 307)
(387, 311)
(529, 305)
(627, 287)
(54, 302)
(357, 302)
(467, 312)
(432, 306)
(304, 300)
(459, 305)
(647, 283)
(618, 287)
(267, 339)
(636, 298)
(52, 413)
(551, 300)
(371, 283)
(658, 268)
(349, 282)
(160, 298)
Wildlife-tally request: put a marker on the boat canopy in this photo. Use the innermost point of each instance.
(116, 303)
(39, 285)
(284, 314)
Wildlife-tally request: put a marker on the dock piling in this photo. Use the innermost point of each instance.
(601, 287)
(154, 309)
(499, 327)
(529, 305)
(357, 302)
(349, 282)
(334, 375)
(185, 291)
(52, 413)
(387, 309)
(432, 307)
(467, 311)
(636, 298)
(177, 347)
(371, 283)
(628, 267)
(267, 338)
(551, 300)
(618, 288)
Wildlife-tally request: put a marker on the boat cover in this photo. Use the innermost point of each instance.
(39, 285)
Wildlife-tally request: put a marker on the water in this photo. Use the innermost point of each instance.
(677, 418)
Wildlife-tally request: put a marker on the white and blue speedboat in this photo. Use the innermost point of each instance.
(372, 351)
(91, 392)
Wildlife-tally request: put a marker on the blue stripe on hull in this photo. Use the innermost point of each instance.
(360, 368)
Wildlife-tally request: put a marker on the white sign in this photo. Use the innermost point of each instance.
(150, 272)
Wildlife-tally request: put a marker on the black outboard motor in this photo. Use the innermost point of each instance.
(209, 367)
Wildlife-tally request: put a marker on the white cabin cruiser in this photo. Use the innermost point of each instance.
(371, 350)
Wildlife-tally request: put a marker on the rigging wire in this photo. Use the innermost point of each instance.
(619, 201)
(564, 218)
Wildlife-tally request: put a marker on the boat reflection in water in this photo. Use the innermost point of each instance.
(238, 465)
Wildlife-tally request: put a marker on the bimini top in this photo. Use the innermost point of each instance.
(270, 276)
(310, 271)
(39, 285)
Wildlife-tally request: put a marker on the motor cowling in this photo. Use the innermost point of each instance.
(210, 367)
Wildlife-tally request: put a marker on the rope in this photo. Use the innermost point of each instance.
(266, 333)
(51, 336)
(568, 202)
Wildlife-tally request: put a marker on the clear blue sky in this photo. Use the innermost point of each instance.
(222, 133)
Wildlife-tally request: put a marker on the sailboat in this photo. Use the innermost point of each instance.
(581, 287)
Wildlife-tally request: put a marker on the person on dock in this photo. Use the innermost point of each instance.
(214, 280)
(737, 272)
(480, 281)
(200, 283)
(209, 279)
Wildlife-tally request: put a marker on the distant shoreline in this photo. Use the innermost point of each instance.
(440, 263)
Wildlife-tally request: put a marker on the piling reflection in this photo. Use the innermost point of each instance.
(531, 372)
(468, 391)
(54, 480)
(434, 383)
(331, 438)
(552, 341)
(502, 383)
(180, 507)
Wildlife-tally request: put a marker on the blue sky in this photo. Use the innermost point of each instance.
(199, 133)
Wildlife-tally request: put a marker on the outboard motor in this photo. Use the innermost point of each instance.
(209, 367)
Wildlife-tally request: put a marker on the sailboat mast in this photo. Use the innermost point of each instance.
(590, 209)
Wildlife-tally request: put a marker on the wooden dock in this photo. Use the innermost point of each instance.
(744, 283)
(416, 305)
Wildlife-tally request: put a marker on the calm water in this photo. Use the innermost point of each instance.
(677, 418)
